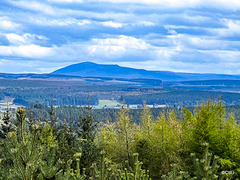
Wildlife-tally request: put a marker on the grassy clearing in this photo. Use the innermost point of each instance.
(103, 103)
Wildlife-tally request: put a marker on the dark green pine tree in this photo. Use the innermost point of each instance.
(22, 150)
(204, 169)
(67, 141)
(207, 167)
(6, 125)
(86, 130)
(28, 154)
(53, 118)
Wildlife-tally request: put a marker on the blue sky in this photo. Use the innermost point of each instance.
(179, 35)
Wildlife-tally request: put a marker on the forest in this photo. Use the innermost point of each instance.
(203, 143)
(23, 92)
(72, 112)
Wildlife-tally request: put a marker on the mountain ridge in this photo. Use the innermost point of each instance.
(91, 69)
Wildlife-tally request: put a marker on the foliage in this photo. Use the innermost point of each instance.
(6, 126)
(71, 174)
(86, 130)
(107, 170)
(118, 135)
(204, 169)
(22, 150)
(155, 148)
(175, 174)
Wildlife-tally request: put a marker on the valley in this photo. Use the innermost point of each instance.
(110, 92)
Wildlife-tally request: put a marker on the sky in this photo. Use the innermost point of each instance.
(196, 36)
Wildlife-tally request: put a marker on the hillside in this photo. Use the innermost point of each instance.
(89, 69)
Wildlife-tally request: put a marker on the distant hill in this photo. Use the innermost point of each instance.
(89, 69)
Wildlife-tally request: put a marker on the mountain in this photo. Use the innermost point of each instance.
(90, 69)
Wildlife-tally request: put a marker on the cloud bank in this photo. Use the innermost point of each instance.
(182, 35)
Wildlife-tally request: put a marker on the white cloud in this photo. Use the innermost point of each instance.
(26, 38)
(122, 41)
(222, 4)
(27, 51)
(7, 24)
(171, 31)
(197, 34)
(180, 27)
(112, 24)
(51, 22)
(145, 23)
(15, 38)
(223, 56)
(35, 6)
(54, 22)
(232, 28)
(83, 22)
(65, 14)
(129, 49)
(116, 47)
(163, 4)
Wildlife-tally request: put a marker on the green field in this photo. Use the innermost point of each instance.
(103, 103)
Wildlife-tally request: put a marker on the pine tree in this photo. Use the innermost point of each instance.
(107, 170)
(146, 120)
(124, 130)
(104, 170)
(29, 153)
(53, 118)
(71, 174)
(208, 125)
(6, 125)
(175, 174)
(144, 136)
(68, 144)
(206, 168)
(86, 130)
(230, 156)
(22, 149)
(165, 144)
(117, 138)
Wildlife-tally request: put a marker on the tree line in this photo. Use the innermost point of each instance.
(203, 144)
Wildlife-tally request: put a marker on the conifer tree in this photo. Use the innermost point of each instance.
(6, 125)
(146, 120)
(22, 149)
(144, 136)
(176, 174)
(165, 144)
(86, 130)
(230, 155)
(208, 125)
(53, 118)
(104, 170)
(109, 142)
(30, 153)
(67, 142)
(72, 174)
(107, 171)
(124, 130)
(117, 138)
(206, 168)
